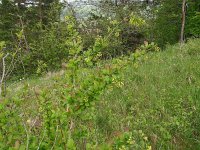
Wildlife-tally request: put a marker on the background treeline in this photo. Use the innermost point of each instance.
(35, 32)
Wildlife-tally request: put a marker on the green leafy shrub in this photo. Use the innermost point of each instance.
(132, 140)
(53, 122)
(193, 25)
(152, 47)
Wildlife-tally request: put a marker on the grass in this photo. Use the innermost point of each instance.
(161, 97)
(159, 102)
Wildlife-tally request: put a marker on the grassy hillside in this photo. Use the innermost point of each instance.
(156, 105)
(161, 97)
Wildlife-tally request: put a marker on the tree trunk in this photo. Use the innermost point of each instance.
(182, 39)
(115, 2)
(40, 12)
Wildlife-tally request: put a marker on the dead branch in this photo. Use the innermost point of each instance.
(3, 72)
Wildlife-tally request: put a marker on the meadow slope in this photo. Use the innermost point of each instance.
(155, 106)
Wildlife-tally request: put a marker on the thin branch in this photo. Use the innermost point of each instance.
(24, 37)
(4, 67)
(41, 142)
(55, 137)
(3, 72)
(27, 136)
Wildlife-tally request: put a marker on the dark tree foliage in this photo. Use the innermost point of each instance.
(8, 20)
(193, 18)
(168, 22)
(167, 26)
(35, 28)
(26, 27)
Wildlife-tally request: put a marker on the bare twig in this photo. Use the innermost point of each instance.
(27, 136)
(3, 72)
(71, 128)
(40, 142)
(24, 37)
(55, 138)
(28, 130)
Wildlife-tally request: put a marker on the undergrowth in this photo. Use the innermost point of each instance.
(142, 101)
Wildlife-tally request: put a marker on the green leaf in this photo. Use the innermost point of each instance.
(71, 145)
